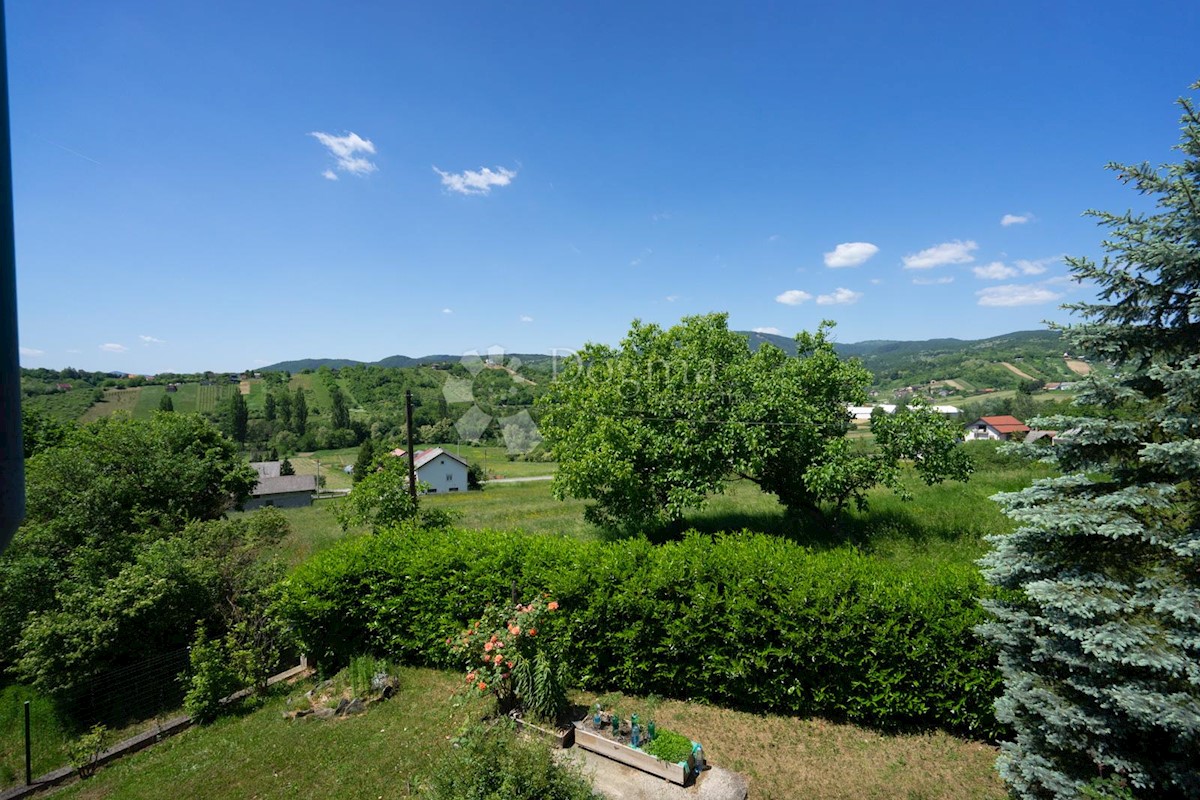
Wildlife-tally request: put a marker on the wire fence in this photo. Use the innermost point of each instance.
(139, 691)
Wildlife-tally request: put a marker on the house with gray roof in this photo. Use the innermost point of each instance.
(281, 491)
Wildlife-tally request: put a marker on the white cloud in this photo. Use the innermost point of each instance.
(1015, 219)
(956, 252)
(111, 347)
(774, 237)
(32, 351)
(526, 318)
(1016, 295)
(1036, 266)
(840, 297)
(149, 340)
(72, 350)
(995, 271)
(661, 215)
(876, 281)
(775, 331)
(850, 254)
(329, 175)
(793, 297)
(934, 281)
(645, 253)
(671, 298)
(345, 150)
(481, 182)
(447, 311)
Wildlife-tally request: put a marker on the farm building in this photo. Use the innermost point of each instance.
(440, 470)
(864, 412)
(1001, 428)
(281, 491)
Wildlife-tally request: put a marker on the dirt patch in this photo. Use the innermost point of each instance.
(1017, 372)
(1078, 367)
(956, 385)
(244, 387)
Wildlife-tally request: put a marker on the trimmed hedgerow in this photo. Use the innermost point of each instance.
(743, 620)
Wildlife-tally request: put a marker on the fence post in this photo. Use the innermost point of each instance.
(28, 749)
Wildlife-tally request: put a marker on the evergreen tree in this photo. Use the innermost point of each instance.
(269, 407)
(299, 413)
(239, 416)
(286, 468)
(1098, 627)
(165, 403)
(366, 456)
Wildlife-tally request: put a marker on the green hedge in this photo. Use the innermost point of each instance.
(742, 620)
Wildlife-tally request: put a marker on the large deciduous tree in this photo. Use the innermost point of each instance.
(1099, 628)
(653, 427)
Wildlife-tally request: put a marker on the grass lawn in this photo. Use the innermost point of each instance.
(388, 751)
(47, 735)
(62, 406)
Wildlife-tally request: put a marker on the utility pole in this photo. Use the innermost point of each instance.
(412, 456)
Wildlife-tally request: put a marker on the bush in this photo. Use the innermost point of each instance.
(669, 746)
(494, 762)
(744, 620)
(211, 678)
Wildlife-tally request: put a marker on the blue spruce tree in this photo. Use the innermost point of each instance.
(1098, 621)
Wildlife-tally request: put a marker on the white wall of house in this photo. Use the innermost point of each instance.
(981, 432)
(443, 474)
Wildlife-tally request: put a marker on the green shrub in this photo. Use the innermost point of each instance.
(211, 677)
(745, 620)
(85, 750)
(495, 763)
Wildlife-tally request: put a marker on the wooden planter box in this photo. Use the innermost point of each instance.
(639, 759)
(558, 739)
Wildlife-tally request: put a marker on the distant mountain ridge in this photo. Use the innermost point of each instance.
(875, 354)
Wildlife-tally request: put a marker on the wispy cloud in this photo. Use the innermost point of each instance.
(31, 351)
(995, 271)
(775, 331)
(671, 298)
(112, 347)
(1015, 219)
(329, 175)
(998, 270)
(839, 297)
(956, 252)
(850, 254)
(1016, 295)
(934, 281)
(1036, 266)
(793, 297)
(526, 318)
(471, 182)
(660, 215)
(774, 237)
(643, 255)
(149, 340)
(347, 153)
(447, 310)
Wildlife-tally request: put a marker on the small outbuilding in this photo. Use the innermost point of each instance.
(281, 491)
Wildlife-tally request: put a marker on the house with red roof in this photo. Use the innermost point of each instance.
(1002, 428)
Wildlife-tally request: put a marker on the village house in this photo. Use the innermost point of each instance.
(1000, 428)
(439, 470)
(281, 491)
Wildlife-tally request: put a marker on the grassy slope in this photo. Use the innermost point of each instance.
(385, 752)
(62, 406)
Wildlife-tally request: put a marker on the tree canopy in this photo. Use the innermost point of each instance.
(652, 428)
(1099, 625)
(105, 492)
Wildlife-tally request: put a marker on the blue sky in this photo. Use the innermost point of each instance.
(221, 185)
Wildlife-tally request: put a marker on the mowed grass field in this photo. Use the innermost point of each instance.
(389, 752)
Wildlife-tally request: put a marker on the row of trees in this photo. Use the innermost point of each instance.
(652, 428)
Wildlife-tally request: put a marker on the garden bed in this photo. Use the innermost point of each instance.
(597, 742)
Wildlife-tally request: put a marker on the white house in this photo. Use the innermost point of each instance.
(1002, 428)
(442, 471)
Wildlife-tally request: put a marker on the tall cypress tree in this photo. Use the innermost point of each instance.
(366, 457)
(299, 413)
(1099, 626)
